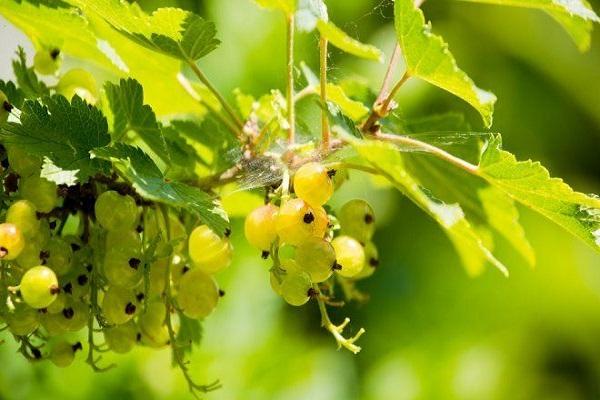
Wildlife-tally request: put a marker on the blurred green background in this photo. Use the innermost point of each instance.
(432, 333)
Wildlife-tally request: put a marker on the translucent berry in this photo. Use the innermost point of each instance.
(208, 251)
(58, 255)
(119, 305)
(116, 212)
(297, 221)
(198, 294)
(78, 82)
(22, 213)
(40, 191)
(349, 254)
(122, 268)
(316, 257)
(259, 226)
(371, 262)
(12, 241)
(313, 184)
(357, 220)
(47, 61)
(39, 287)
(295, 287)
(121, 338)
(23, 320)
(152, 324)
(63, 353)
(23, 163)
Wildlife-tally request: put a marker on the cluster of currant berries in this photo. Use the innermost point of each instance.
(306, 246)
(95, 256)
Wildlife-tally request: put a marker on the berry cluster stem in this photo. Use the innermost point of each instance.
(337, 330)
(176, 350)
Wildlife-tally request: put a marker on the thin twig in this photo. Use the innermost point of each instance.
(428, 148)
(389, 74)
(380, 110)
(325, 130)
(228, 109)
(290, 79)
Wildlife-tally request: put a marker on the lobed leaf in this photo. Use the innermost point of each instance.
(386, 159)
(427, 57)
(148, 180)
(487, 208)
(131, 114)
(61, 131)
(530, 183)
(27, 80)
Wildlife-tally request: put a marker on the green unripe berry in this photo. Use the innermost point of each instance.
(47, 62)
(39, 287)
(152, 325)
(371, 262)
(121, 338)
(40, 191)
(78, 82)
(123, 269)
(63, 353)
(22, 213)
(313, 184)
(349, 254)
(357, 220)
(116, 212)
(59, 255)
(118, 305)
(295, 287)
(23, 163)
(23, 321)
(198, 294)
(259, 226)
(317, 258)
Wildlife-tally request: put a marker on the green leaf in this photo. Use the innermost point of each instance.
(220, 149)
(530, 183)
(176, 33)
(342, 41)
(26, 77)
(575, 16)
(84, 34)
(485, 206)
(427, 57)
(503, 216)
(15, 96)
(287, 6)
(386, 159)
(335, 93)
(147, 179)
(61, 131)
(131, 114)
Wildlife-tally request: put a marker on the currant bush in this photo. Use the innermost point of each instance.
(112, 213)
